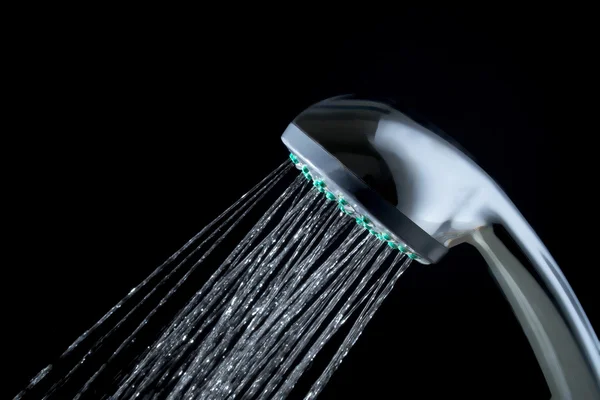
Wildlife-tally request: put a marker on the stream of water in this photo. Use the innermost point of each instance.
(273, 300)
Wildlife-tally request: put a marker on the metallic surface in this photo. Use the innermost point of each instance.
(432, 196)
(361, 194)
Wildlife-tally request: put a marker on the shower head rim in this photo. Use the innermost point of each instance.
(369, 201)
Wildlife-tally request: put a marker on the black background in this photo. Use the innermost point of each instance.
(130, 130)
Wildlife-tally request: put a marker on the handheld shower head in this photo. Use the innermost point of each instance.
(402, 176)
(422, 194)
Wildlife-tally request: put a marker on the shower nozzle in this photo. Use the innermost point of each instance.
(421, 194)
(413, 185)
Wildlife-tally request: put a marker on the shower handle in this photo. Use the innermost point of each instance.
(559, 332)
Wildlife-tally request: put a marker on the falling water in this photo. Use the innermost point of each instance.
(274, 298)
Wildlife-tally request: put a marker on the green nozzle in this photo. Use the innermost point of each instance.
(346, 208)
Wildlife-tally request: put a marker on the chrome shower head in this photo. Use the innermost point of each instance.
(410, 182)
(421, 193)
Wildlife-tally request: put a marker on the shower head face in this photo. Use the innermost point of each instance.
(412, 183)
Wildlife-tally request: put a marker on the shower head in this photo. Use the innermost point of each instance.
(422, 194)
(414, 186)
